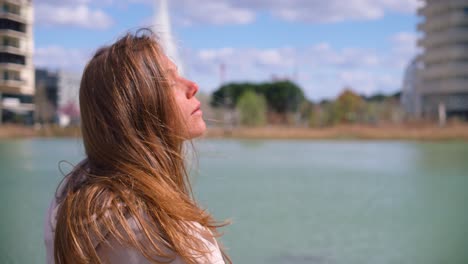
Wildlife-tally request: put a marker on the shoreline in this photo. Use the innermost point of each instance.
(340, 132)
(346, 132)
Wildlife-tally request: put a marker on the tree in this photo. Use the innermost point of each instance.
(228, 95)
(348, 106)
(252, 109)
(281, 96)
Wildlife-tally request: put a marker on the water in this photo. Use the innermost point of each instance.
(289, 201)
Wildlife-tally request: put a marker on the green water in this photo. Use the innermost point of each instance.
(289, 201)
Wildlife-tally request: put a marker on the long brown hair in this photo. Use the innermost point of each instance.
(135, 169)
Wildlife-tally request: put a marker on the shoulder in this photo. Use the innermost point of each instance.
(110, 248)
(209, 241)
(49, 230)
(111, 251)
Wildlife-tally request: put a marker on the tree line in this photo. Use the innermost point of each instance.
(283, 102)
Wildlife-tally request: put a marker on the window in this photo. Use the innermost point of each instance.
(10, 42)
(13, 25)
(16, 76)
(11, 58)
(11, 75)
(11, 8)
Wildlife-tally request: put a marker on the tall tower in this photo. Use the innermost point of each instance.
(16, 66)
(162, 26)
(445, 57)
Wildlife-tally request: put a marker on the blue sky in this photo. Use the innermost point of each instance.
(323, 46)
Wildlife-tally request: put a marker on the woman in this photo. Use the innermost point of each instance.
(130, 200)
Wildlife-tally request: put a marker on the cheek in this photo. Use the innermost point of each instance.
(179, 100)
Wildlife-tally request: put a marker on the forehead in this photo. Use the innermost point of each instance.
(169, 64)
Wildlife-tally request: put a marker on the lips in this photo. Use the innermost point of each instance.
(196, 109)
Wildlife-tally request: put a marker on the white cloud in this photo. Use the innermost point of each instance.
(215, 54)
(244, 60)
(323, 54)
(190, 12)
(57, 57)
(329, 11)
(367, 83)
(270, 57)
(244, 11)
(80, 16)
(62, 2)
(79, 2)
(405, 42)
(336, 10)
(221, 12)
(404, 48)
(404, 6)
(320, 69)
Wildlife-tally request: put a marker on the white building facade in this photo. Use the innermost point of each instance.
(17, 86)
(445, 57)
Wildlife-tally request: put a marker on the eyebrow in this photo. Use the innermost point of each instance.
(173, 70)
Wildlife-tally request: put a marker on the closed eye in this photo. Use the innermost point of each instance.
(172, 76)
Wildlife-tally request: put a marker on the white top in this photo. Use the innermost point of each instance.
(113, 252)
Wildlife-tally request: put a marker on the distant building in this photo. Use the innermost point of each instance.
(445, 57)
(68, 97)
(57, 97)
(46, 99)
(16, 66)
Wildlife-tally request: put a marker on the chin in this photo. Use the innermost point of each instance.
(197, 130)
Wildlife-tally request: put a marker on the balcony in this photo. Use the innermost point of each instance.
(18, 2)
(13, 33)
(441, 22)
(12, 66)
(451, 36)
(446, 54)
(439, 7)
(11, 16)
(447, 86)
(14, 50)
(445, 70)
(14, 104)
(16, 87)
(12, 83)
(12, 58)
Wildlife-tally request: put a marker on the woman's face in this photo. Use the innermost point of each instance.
(184, 92)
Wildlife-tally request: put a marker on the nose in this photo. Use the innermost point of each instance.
(192, 88)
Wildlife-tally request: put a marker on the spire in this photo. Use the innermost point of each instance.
(162, 26)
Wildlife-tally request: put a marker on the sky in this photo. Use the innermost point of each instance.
(323, 46)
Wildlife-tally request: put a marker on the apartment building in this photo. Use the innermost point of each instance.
(444, 84)
(16, 66)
